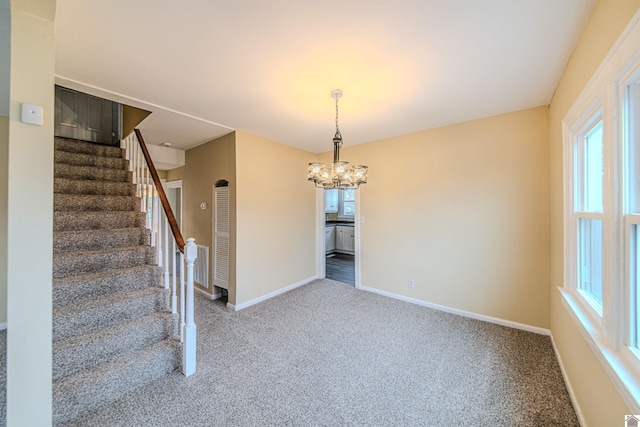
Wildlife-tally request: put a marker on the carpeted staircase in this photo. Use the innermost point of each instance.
(113, 330)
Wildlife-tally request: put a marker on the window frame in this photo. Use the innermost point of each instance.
(574, 134)
(578, 211)
(630, 173)
(608, 333)
(341, 202)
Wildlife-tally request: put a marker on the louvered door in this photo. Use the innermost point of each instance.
(221, 237)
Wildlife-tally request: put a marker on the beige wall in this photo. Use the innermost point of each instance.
(132, 117)
(276, 217)
(30, 217)
(599, 402)
(5, 56)
(174, 174)
(463, 211)
(204, 166)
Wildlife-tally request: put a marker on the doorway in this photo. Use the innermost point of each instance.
(341, 267)
(339, 246)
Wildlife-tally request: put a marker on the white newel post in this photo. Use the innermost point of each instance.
(189, 344)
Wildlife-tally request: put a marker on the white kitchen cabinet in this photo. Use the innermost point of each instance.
(330, 239)
(345, 239)
(331, 201)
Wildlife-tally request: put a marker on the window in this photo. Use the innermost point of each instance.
(631, 212)
(601, 136)
(589, 210)
(347, 203)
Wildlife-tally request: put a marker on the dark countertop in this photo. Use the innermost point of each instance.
(343, 223)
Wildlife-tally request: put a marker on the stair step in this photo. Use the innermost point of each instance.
(80, 319)
(112, 327)
(86, 287)
(73, 263)
(63, 170)
(88, 220)
(91, 240)
(84, 147)
(79, 393)
(87, 351)
(89, 160)
(92, 187)
(82, 202)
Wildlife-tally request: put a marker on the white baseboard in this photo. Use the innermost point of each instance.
(271, 294)
(572, 396)
(207, 294)
(3, 326)
(508, 323)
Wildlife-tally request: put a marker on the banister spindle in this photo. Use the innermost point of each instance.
(182, 296)
(165, 251)
(174, 306)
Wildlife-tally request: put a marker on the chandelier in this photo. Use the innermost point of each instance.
(340, 174)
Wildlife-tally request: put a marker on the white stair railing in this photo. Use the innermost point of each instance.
(167, 240)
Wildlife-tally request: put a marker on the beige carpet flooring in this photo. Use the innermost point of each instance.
(327, 354)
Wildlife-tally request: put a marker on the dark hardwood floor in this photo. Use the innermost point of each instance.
(341, 267)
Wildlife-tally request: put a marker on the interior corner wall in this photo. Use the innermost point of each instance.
(596, 397)
(204, 165)
(30, 217)
(463, 210)
(276, 218)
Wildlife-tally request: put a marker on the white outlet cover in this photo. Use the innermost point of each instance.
(32, 114)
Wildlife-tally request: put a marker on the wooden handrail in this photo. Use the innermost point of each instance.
(175, 229)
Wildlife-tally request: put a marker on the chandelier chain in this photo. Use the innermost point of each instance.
(338, 134)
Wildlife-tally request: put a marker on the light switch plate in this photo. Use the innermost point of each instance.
(32, 114)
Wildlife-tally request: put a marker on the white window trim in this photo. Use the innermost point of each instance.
(341, 206)
(607, 335)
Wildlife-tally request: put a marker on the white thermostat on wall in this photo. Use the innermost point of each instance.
(32, 114)
(203, 205)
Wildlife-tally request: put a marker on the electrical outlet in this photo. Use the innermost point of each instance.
(411, 283)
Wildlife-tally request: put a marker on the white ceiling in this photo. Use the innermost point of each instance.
(267, 67)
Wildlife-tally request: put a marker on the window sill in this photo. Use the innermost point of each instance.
(619, 368)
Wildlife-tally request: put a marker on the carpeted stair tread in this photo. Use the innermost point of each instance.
(112, 323)
(89, 389)
(83, 202)
(72, 263)
(96, 220)
(93, 187)
(63, 170)
(86, 317)
(85, 287)
(64, 157)
(90, 240)
(75, 146)
(89, 350)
